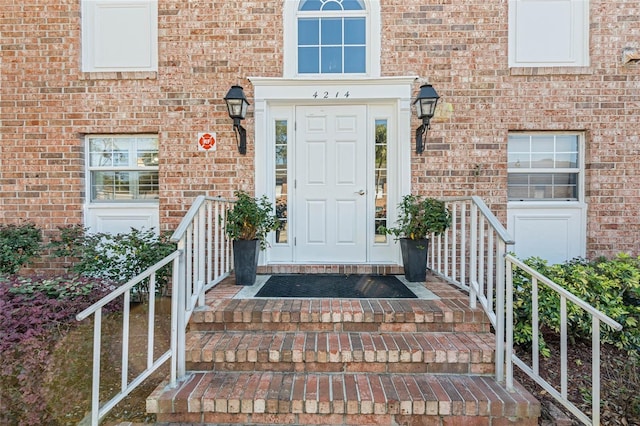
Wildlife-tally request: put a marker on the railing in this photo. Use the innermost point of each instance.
(202, 260)
(472, 254)
(207, 261)
(533, 371)
(126, 386)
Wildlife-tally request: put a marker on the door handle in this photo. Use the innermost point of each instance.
(361, 192)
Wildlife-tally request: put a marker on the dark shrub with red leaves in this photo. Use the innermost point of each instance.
(35, 312)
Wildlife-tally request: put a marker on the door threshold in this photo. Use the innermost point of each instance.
(345, 269)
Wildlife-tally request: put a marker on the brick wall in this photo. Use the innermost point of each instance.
(460, 46)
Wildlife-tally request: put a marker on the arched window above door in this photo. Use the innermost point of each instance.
(332, 38)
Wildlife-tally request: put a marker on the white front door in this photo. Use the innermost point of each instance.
(330, 201)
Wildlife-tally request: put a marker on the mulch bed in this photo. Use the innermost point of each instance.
(620, 382)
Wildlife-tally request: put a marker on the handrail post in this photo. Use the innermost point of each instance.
(201, 256)
(473, 255)
(95, 387)
(180, 317)
(174, 319)
(595, 369)
(509, 323)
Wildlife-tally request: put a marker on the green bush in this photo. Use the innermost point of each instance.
(116, 257)
(611, 286)
(18, 245)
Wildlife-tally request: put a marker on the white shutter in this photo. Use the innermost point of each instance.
(548, 33)
(119, 35)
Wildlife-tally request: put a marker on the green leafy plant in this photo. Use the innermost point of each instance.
(116, 257)
(250, 219)
(419, 217)
(18, 245)
(611, 286)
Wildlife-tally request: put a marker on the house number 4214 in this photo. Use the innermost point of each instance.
(329, 95)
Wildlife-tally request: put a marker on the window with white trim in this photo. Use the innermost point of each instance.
(544, 167)
(119, 35)
(548, 33)
(122, 169)
(332, 37)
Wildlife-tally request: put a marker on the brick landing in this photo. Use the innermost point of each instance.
(331, 361)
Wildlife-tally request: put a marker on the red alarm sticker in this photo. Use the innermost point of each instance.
(207, 141)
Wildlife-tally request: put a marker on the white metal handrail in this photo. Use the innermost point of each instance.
(472, 254)
(533, 371)
(207, 261)
(202, 260)
(126, 386)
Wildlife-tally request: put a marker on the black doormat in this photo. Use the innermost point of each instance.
(336, 286)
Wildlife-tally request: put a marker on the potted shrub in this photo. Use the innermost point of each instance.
(248, 222)
(418, 217)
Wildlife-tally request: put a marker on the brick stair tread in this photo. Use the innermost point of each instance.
(472, 353)
(339, 315)
(342, 394)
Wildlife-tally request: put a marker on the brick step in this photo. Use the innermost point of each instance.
(341, 398)
(372, 315)
(458, 353)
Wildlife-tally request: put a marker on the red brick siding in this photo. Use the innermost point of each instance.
(47, 104)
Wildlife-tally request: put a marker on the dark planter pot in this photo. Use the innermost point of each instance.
(414, 259)
(245, 261)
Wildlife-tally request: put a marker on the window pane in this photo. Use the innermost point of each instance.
(539, 161)
(308, 60)
(567, 143)
(308, 32)
(332, 5)
(331, 60)
(281, 189)
(147, 185)
(355, 60)
(111, 186)
(331, 30)
(519, 144)
(567, 161)
(381, 188)
(542, 144)
(352, 4)
(354, 31)
(100, 153)
(519, 160)
(543, 186)
(147, 152)
(109, 152)
(310, 5)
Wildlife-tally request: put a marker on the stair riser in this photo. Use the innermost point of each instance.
(433, 368)
(344, 327)
(223, 419)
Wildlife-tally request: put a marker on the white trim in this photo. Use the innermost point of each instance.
(290, 37)
(135, 210)
(278, 97)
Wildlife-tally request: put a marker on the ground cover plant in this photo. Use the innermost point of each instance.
(35, 313)
(611, 286)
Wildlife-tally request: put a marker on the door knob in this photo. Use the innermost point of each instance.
(361, 192)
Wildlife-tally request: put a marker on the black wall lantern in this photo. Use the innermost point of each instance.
(425, 105)
(237, 105)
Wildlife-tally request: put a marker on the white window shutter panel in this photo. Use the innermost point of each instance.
(548, 33)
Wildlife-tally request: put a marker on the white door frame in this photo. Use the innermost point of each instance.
(270, 93)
